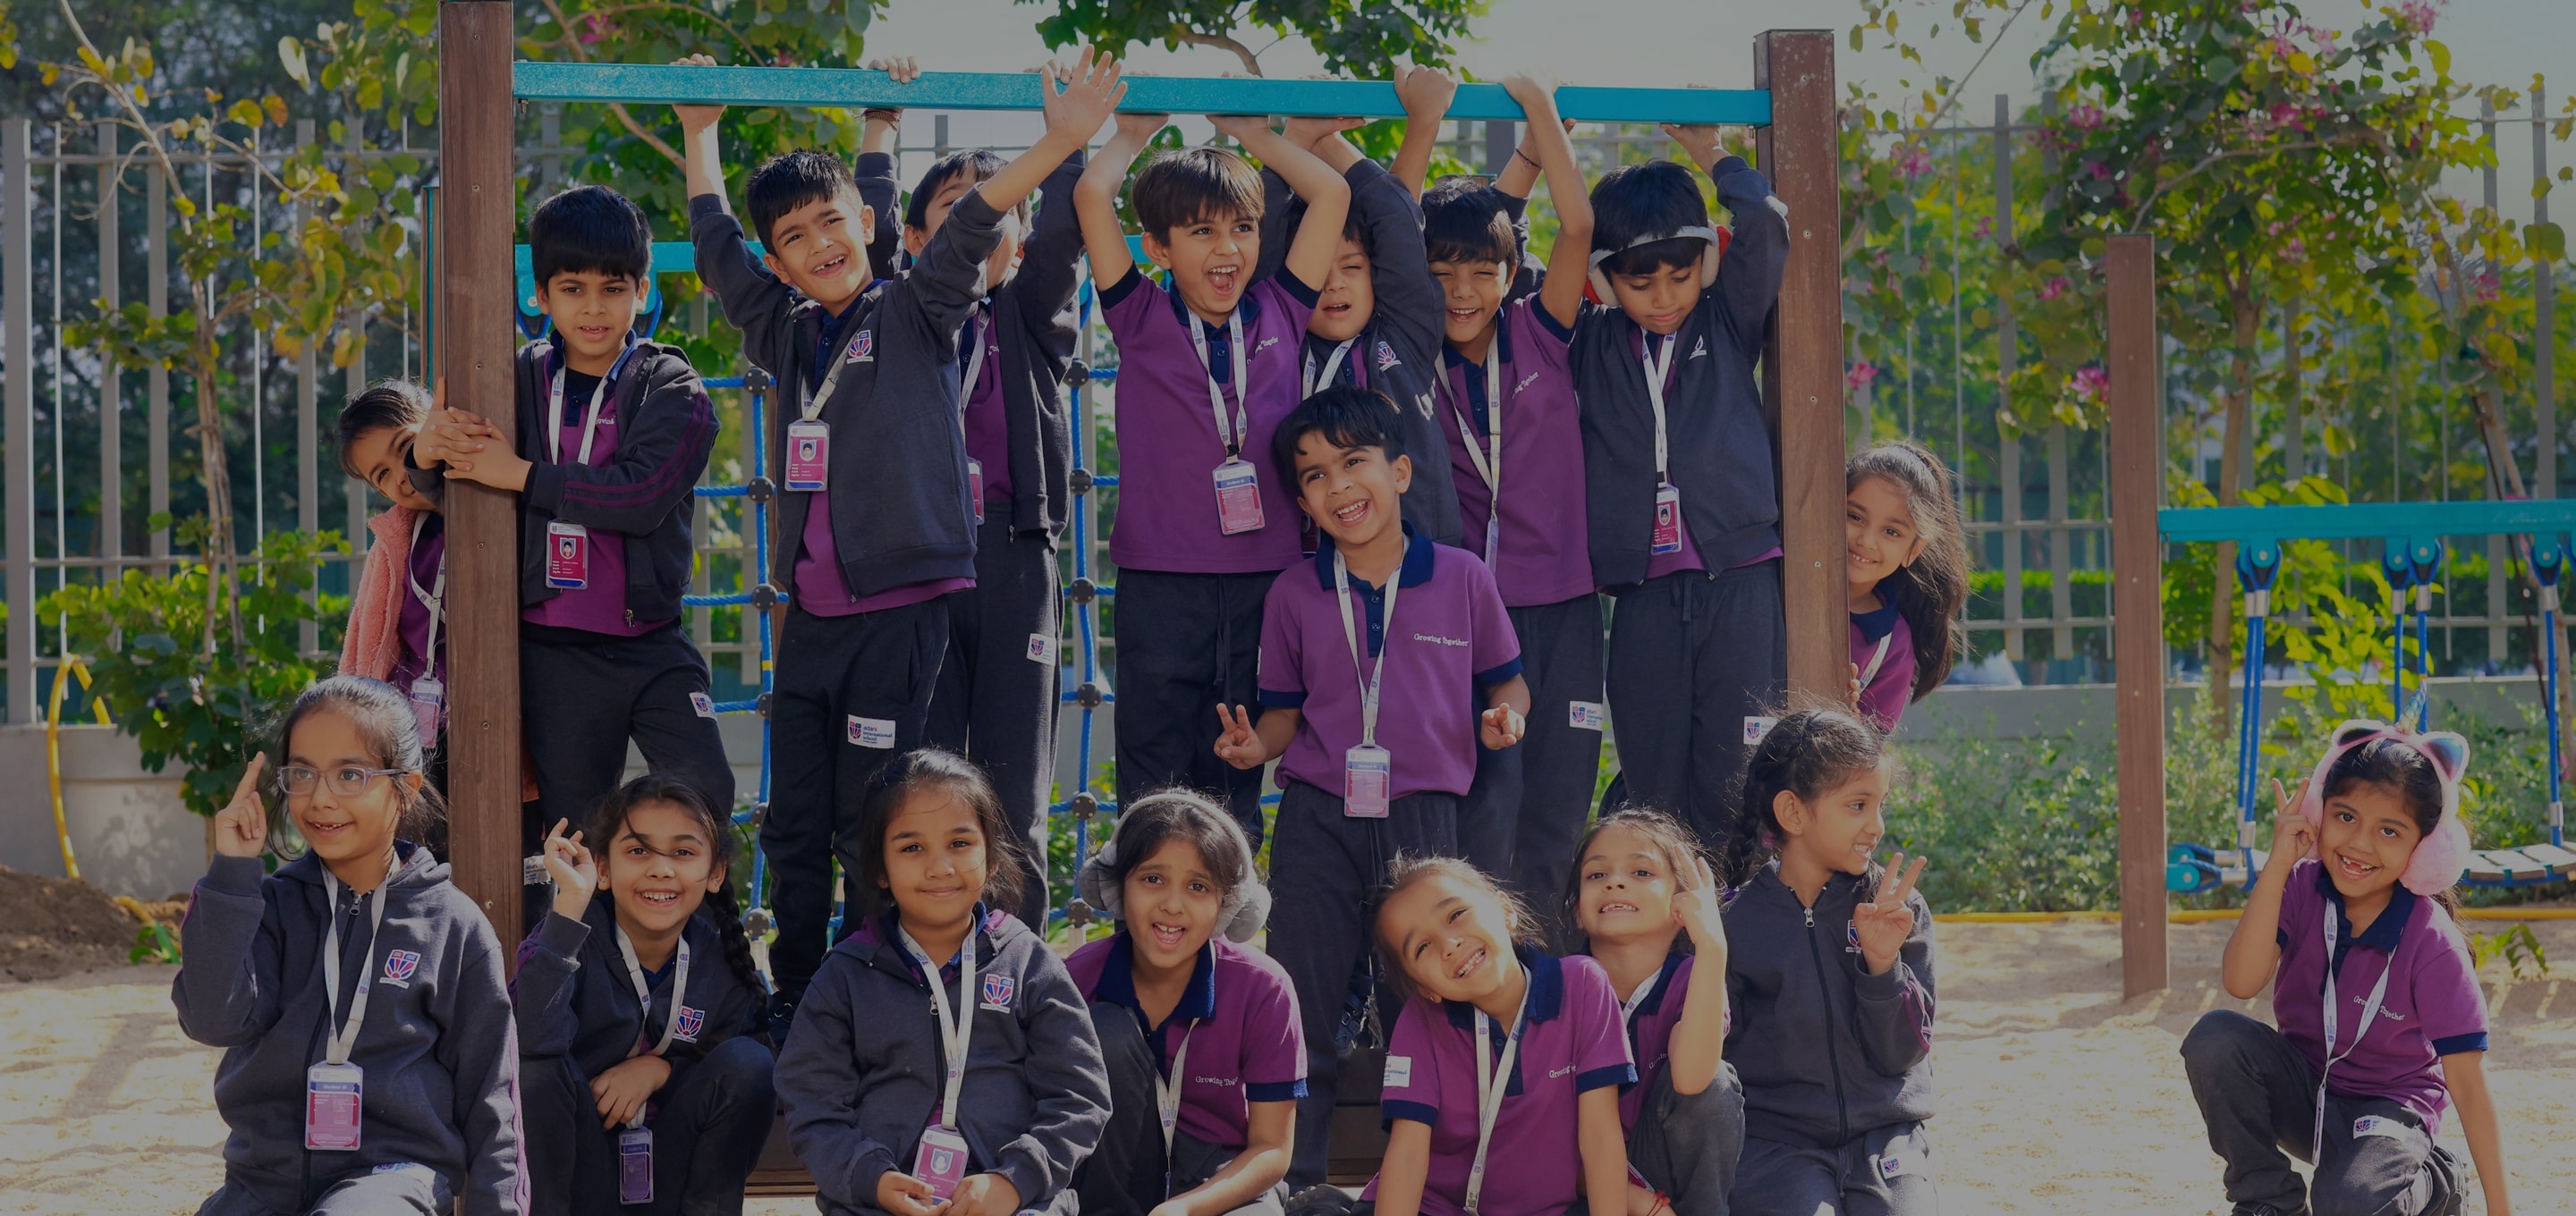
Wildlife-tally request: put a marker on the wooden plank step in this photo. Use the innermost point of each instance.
(2560, 861)
(2504, 865)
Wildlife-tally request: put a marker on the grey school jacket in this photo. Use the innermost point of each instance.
(438, 1049)
(863, 1067)
(1398, 351)
(1719, 437)
(574, 998)
(1034, 316)
(900, 513)
(1826, 1051)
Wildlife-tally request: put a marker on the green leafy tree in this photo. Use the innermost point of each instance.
(1356, 38)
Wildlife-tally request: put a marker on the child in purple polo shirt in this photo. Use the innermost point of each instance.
(1503, 1073)
(1828, 981)
(1207, 367)
(611, 435)
(2382, 1023)
(1373, 703)
(1681, 503)
(1506, 400)
(1206, 1060)
(1647, 905)
(876, 524)
(1908, 569)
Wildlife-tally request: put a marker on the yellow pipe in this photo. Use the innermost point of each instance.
(2199, 916)
(54, 760)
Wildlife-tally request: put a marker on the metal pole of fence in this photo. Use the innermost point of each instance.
(54, 339)
(308, 438)
(354, 491)
(111, 435)
(2498, 547)
(18, 352)
(2007, 360)
(156, 295)
(2544, 354)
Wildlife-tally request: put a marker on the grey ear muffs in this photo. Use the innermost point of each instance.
(1707, 265)
(1239, 918)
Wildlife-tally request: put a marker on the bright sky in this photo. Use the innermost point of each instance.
(1679, 42)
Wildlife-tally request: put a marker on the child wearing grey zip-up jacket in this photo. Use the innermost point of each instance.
(1828, 982)
(420, 1012)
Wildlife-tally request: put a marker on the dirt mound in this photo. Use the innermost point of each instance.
(53, 926)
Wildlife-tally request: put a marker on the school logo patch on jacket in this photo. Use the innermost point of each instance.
(863, 347)
(997, 992)
(400, 966)
(1699, 350)
(1385, 355)
(691, 1022)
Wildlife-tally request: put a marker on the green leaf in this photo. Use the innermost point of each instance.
(290, 53)
(856, 14)
(2547, 242)
(2441, 56)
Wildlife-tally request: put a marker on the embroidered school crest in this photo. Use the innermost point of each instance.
(1700, 349)
(691, 1022)
(863, 347)
(1851, 935)
(400, 966)
(1385, 355)
(997, 992)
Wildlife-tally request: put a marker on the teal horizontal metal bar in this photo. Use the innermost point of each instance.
(852, 88)
(2381, 519)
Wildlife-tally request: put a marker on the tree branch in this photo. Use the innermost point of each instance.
(1184, 34)
(2211, 161)
(618, 108)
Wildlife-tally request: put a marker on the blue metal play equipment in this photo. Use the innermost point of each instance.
(2412, 560)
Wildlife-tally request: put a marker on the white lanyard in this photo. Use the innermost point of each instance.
(590, 420)
(1656, 370)
(1870, 672)
(1238, 367)
(2369, 1014)
(1492, 1079)
(644, 994)
(434, 599)
(1331, 365)
(953, 1034)
(336, 1046)
(1636, 1000)
(1489, 467)
(1167, 1093)
(978, 328)
(1369, 680)
(817, 394)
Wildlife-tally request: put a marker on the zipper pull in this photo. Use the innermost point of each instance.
(1811, 917)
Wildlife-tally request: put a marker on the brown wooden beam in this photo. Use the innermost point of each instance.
(2137, 608)
(1802, 382)
(477, 218)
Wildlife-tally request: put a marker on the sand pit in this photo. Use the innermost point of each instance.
(56, 926)
(2056, 1095)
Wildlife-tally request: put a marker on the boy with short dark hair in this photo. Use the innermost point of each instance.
(610, 437)
(1381, 672)
(876, 524)
(1208, 364)
(1682, 503)
(997, 692)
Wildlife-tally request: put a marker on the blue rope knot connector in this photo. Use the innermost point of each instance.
(760, 705)
(1079, 481)
(764, 597)
(1083, 590)
(1077, 912)
(760, 490)
(756, 379)
(1084, 805)
(1077, 372)
(1088, 695)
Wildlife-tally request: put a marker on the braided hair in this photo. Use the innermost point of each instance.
(1807, 754)
(720, 906)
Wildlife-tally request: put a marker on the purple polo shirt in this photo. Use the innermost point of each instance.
(822, 588)
(2433, 1008)
(1650, 1031)
(1884, 696)
(1543, 556)
(599, 607)
(1168, 446)
(1239, 1016)
(426, 555)
(1572, 1045)
(1453, 641)
(988, 433)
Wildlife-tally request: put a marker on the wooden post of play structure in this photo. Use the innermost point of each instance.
(1802, 382)
(2137, 608)
(476, 218)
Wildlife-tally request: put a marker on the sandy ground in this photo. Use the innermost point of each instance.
(2057, 1096)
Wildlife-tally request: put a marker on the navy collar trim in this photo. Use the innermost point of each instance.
(2384, 932)
(1658, 987)
(1118, 982)
(1450, 356)
(1247, 305)
(1546, 990)
(1878, 622)
(1416, 570)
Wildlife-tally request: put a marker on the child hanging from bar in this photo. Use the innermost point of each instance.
(997, 693)
(1208, 365)
(875, 529)
(611, 435)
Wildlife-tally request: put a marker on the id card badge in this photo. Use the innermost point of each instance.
(333, 1093)
(975, 486)
(1368, 773)
(635, 1165)
(1238, 497)
(940, 1161)
(427, 694)
(567, 555)
(1668, 521)
(809, 456)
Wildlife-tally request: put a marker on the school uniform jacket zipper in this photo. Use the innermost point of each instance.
(1833, 1055)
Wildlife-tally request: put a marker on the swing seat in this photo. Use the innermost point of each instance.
(2529, 865)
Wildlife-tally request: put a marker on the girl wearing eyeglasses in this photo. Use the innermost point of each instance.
(2381, 1024)
(371, 1062)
